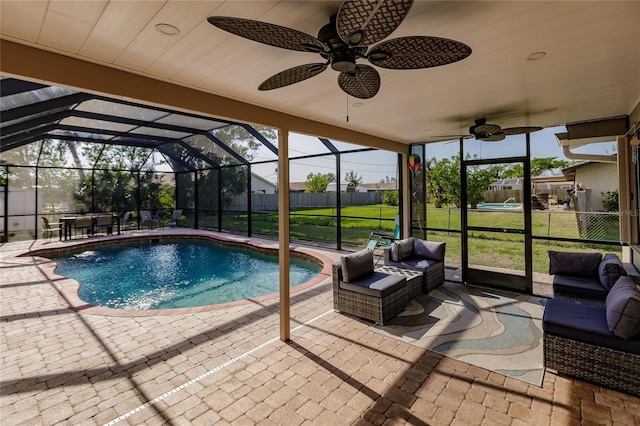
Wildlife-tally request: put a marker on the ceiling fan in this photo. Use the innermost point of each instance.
(345, 39)
(484, 131)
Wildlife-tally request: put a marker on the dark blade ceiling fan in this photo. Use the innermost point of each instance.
(484, 131)
(345, 39)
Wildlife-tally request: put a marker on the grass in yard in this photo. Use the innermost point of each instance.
(485, 248)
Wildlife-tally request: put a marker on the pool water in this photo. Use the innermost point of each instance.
(499, 206)
(175, 274)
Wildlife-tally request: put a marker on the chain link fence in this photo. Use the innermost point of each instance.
(599, 225)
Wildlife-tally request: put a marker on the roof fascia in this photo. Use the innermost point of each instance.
(26, 61)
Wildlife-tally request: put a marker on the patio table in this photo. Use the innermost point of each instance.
(68, 221)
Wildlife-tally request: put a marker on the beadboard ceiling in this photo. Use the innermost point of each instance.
(591, 68)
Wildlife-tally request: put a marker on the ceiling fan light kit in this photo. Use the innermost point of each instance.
(345, 39)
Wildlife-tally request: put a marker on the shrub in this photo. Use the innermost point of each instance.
(390, 198)
(610, 200)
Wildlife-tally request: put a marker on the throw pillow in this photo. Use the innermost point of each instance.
(402, 249)
(610, 269)
(623, 308)
(429, 249)
(356, 265)
(574, 264)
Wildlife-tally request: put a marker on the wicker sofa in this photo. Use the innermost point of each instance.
(591, 332)
(418, 255)
(359, 290)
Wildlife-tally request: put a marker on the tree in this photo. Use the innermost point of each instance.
(478, 180)
(443, 181)
(317, 182)
(440, 177)
(353, 178)
(117, 180)
(234, 179)
(539, 166)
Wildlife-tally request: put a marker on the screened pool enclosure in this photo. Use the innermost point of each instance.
(64, 152)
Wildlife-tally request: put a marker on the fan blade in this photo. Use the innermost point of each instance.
(493, 138)
(271, 34)
(365, 22)
(521, 130)
(292, 75)
(487, 129)
(363, 83)
(417, 52)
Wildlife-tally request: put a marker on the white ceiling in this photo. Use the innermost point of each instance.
(591, 69)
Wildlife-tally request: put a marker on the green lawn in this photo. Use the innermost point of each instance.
(485, 248)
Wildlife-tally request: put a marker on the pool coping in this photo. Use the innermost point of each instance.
(68, 288)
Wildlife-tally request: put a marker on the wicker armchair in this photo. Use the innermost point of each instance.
(375, 296)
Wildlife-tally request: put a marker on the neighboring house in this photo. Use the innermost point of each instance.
(552, 189)
(382, 186)
(344, 187)
(551, 183)
(297, 186)
(511, 183)
(260, 185)
(596, 177)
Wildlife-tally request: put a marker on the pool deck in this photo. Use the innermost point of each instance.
(228, 366)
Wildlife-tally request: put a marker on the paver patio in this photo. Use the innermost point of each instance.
(228, 366)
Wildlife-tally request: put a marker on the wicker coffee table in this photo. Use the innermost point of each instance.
(414, 279)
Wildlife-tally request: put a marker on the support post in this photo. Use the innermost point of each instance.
(283, 233)
(404, 195)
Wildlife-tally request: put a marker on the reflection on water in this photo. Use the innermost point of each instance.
(175, 275)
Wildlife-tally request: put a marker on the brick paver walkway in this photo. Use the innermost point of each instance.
(228, 366)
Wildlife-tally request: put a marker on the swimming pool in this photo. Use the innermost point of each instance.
(500, 206)
(169, 274)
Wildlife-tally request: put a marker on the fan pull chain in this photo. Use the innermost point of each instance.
(347, 108)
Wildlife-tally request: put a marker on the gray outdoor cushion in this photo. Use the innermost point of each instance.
(583, 323)
(623, 308)
(416, 264)
(574, 264)
(356, 265)
(610, 269)
(429, 249)
(402, 249)
(376, 284)
(580, 286)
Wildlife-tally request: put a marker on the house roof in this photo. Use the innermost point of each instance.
(380, 185)
(297, 186)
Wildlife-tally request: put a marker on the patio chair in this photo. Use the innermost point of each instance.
(49, 228)
(379, 240)
(158, 219)
(105, 222)
(84, 224)
(146, 218)
(361, 291)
